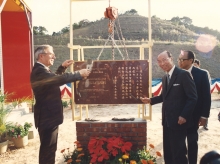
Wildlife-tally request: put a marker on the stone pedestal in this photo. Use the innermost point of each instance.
(131, 131)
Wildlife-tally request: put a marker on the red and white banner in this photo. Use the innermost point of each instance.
(156, 90)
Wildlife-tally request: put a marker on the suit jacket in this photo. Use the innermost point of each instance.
(179, 99)
(48, 109)
(203, 104)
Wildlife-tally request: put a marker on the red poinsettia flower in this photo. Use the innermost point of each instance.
(95, 144)
(126, 147)
(100, 156)
(113, 151)
(118, 143)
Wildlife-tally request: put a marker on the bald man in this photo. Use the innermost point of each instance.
(179, 99)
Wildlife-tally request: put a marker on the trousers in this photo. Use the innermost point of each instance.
(48, 145)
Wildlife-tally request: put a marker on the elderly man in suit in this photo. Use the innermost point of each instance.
(179, 98)
(197, 64)
(202, 108)
(48, 109)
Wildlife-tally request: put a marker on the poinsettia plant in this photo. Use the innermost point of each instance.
(112, 150)
(103, 149)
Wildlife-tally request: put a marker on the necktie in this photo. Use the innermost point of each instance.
(168, 79)
(190, 74)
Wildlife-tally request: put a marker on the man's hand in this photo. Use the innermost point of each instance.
(67, 63)
(84, 72)
(145, 100)
(202, 121)
(181, 120)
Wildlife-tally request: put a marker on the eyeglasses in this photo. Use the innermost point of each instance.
(182, 60)
(51, 54)
(162, 61)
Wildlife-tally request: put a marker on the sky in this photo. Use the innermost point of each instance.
(55, 14)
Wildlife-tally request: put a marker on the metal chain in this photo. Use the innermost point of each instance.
(103, 48)
(113, 41)
(111, 33)
(111, 36)
(122, 38)
(119, 38)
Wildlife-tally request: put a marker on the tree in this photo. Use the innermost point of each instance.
(176, 20)
(39, 30)
(83, 22)
(131, 12)
(65, 30)
(35, 30)
(75, 26)
(186, 21)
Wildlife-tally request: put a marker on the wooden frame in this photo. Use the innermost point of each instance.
(141, 107)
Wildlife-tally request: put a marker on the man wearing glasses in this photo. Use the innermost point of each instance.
(202, 108)
(179, 99)
(48, 109)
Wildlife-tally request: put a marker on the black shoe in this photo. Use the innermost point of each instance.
(205, 127)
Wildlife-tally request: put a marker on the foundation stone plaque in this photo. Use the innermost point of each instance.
(113, 82)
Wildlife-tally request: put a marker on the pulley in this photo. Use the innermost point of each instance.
(111, 13)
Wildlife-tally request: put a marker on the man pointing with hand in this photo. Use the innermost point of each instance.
(179, 99)
(48, 109)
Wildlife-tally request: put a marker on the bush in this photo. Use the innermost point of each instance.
(65, 104)
(16, 130)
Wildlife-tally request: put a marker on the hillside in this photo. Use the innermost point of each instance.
(167, 35)
(209, 61)
(135, 27)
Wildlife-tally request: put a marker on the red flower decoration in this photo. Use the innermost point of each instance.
(100, 156)
(95, 144)
(117, 143)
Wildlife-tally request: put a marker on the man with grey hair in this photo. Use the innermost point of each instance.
(48, 109)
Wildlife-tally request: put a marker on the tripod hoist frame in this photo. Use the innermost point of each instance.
(80, 53)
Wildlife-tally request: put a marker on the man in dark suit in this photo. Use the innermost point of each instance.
(179, 98)
(197, 64)
(48, 109)
(202, 108)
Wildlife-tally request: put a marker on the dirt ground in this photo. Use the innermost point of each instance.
(208, 140)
